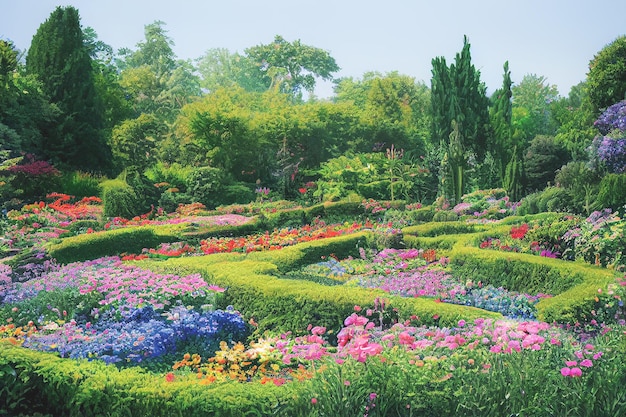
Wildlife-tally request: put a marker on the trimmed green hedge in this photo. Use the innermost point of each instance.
(38, 382)
(96, 245)
(280, 304)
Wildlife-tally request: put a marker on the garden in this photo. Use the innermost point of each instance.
(208, 238)
(348, 308)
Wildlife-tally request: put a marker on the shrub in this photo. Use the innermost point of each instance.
(612, 192)
(112, 242)
(378, 190)
(205, 184)
(119, 199)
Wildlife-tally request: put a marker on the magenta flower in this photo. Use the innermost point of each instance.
(586, 363)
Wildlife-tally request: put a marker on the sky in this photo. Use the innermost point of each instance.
(555, 39)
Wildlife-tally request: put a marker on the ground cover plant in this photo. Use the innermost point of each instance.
(379, 360)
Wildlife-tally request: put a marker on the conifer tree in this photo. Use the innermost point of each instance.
(459, 101)
(61, 61)
(501, 112)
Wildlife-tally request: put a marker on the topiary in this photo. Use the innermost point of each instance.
(118, 199)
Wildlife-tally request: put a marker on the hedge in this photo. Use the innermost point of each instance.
(280, 304)
(37, 382)
(108, 243)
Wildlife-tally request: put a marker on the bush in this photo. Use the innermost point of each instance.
(445, 216)
(119, 199)
(112, 242)
(204, 185)
(612, 192)
(378, 190)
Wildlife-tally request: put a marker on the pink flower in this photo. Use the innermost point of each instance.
(313, 400)
(318, 330)
(576, 372)
(461, 323)
(586, 363)
(565, 371)
(571, 363)
(355, 320)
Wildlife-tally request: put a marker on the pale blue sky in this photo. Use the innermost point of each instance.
(551, 38)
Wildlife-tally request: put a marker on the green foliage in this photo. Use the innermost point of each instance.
(607, 75)
(612, 192)
(581, 184)
(80, 184)
(110, 243)
(118, 199)
(460, 114)
(542, 159)
(60, 59)
(550, 199)
(174, 175)
(291, 67)
(205, 184)
(445, 216)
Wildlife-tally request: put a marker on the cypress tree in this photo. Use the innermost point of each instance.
(459, 101)
(61, 61)
(500, 114)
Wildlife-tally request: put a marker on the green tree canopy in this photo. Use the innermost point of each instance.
(607, 75)
(292, 67)
(60, 59)
(460, 115)
(532, 99)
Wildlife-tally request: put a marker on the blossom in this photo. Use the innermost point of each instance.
(169, 377)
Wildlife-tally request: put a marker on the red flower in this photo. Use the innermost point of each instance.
(302, 190)
(169, 377)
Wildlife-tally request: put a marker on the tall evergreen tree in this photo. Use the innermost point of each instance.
(460, 111)
(59, 58)
(500, 114)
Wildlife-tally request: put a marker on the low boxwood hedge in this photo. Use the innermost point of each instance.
(108, 243)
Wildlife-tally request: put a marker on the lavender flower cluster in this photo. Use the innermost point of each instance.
(611, 146)
(614, 117)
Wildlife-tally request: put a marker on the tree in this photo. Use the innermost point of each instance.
(60, 59)
(221, 69)
(25, 112)
(134, 141)
(607, 75)
(460, 116)
(501, 112)
(292, 67)
(533, 96)
(156, 82)
(542, 159)
(575, 117)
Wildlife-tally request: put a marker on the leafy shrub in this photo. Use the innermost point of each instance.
(205, 184)
(445, 216)
(238, 193)
(612, 192)
(170, 200)
(378, 190)
(550, 199)
(170, 175)
(80, 184)
(119, 199)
